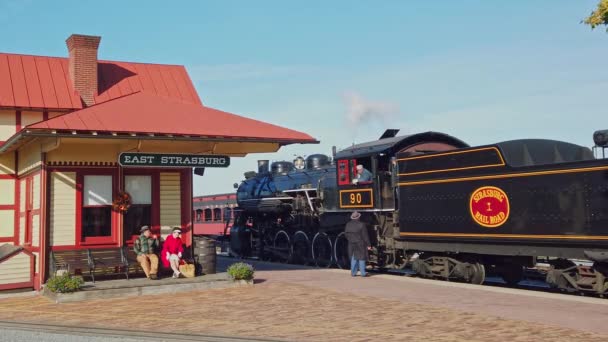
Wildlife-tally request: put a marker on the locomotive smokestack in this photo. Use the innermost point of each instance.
(263, 166)
(333, 152)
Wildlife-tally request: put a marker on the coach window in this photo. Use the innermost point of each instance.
(208, 213)
(217, 214)
(97, 209)
(199, 215)
(140, 212)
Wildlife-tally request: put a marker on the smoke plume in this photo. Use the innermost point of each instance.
(360, 110)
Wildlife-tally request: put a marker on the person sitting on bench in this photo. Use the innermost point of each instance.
(172, 251)
(146, 248)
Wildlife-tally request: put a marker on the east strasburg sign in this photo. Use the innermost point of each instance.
(172, 160)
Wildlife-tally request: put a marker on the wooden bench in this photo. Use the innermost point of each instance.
(72, 261)
(133, 266)
(108, 261)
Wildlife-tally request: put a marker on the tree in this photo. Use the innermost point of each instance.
(599, 16)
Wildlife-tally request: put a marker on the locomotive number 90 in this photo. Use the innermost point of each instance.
(357, 198)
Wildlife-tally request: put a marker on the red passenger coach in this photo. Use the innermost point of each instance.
(214, 214)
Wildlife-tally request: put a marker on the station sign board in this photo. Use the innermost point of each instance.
(136, 159)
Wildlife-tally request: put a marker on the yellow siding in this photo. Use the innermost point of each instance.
(15, 269)
(36, 192)
(82, 153)
(28, 118)
(7, 163)
(62, 210)
(170, 201)
(21, 231)
(8, 124)
(35, 230)
(7, 223)
(30, 157)
(7, 191)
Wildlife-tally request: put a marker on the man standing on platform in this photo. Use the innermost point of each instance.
(146, 247)
(358, 244)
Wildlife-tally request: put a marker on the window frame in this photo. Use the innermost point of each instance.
(155, 205)
(114, 216)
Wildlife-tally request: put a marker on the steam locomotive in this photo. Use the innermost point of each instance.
(448, 210)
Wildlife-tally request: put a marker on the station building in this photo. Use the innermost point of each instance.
(64, 124)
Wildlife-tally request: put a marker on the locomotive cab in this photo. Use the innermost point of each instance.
(378, 157)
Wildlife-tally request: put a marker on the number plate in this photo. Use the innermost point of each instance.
(356, 198)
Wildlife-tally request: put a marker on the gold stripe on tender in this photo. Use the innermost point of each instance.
(512, 236)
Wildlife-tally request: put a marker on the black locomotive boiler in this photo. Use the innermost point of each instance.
(449, 210)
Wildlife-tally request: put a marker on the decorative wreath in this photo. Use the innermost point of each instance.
(122, 202)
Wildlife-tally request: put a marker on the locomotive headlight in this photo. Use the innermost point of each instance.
(600, 138)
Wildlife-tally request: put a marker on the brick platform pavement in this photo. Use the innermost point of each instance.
(328, 305)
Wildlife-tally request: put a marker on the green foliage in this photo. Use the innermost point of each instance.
(241, 271)
(599, 16)
(64, 283)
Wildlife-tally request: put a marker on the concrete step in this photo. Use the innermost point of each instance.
(143, 286)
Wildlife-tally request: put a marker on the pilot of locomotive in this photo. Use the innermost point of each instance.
(363, 175)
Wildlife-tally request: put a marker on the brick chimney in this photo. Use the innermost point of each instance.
(83, 65)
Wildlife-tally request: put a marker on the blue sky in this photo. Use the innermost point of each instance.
(344, 71)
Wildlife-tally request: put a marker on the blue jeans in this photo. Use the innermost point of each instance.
(353, 266)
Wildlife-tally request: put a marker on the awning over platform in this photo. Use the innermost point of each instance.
(149, 117)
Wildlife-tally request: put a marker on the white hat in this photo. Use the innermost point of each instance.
(355, 215)
(359, 167)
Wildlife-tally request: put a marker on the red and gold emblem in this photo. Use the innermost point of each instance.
(489, 206)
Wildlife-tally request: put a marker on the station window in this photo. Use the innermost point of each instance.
(140, 212)
(97, 208)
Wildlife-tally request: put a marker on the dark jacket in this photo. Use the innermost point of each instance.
(144, 245)
(358, 239)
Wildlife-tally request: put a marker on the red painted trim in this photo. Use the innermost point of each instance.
(17, 207)
(76, 247)
(155, 219)
(156, 203)
(44, 224)
(186, 205)
(7, 239)
(111, 240)
(14, 286)
(28, 208)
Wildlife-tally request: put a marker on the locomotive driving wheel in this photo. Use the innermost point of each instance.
(341, 251)
(301, 248)
(321, 250)
(282, 247)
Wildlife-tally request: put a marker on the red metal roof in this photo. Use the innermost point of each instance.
(43, 82)
(146, 113)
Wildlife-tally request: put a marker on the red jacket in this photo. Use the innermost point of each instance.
(171, 246)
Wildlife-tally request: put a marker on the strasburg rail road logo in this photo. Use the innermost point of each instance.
(489, 206)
